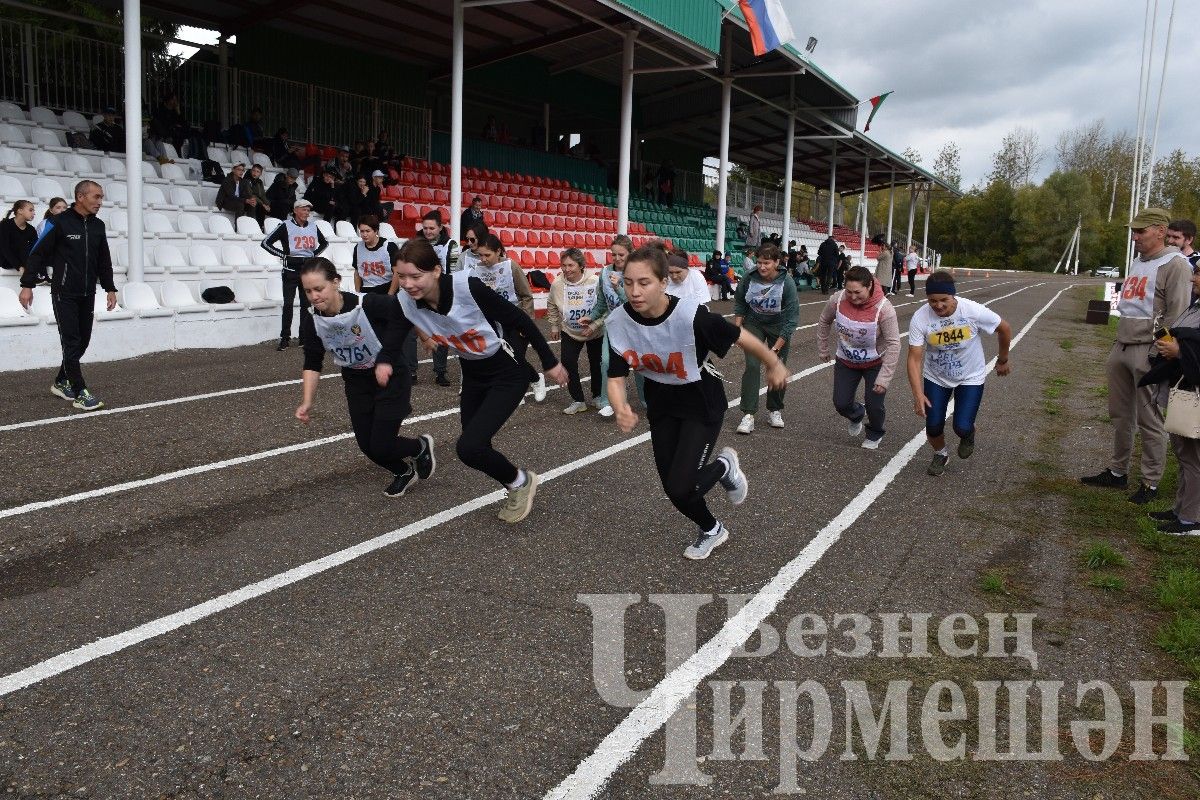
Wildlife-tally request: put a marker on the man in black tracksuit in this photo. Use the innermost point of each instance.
(827, 263)
(296, 240)
(74, 247)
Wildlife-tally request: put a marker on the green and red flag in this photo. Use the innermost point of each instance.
(876, 102)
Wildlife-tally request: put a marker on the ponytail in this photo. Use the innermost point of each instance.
(17, 206)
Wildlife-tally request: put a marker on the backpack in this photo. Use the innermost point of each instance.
(212, 172)
(217, 295)
(80, 141)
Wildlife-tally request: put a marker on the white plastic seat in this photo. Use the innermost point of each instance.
(119, 250)
(238, 155)
(235, 257)
(204, 258)
(251, 293)
(44, 188)
(102, 312)
(345, 229)
(80, 166)
(14, 136)
(236, 305)
(47, 163)
(260, 257)
(159, 225)
(10, 111)
(171, 152)
(222, 227)
(116, 193)
(75, 121)
(116, 221)
(11, 311)
(177, 296)
(182, 197)
(51, 140)
(324, 227)
(140, 297)
(173, 172)
(270, 224)
(274, 290)
(43, 304)
(387, 231)
(150, 173)
(44, 116)
(249, 227)
(113, 167)
(263, 160)
(153, 196)
(169, 258)
(341, 254)
(11, 161)
(193, 225)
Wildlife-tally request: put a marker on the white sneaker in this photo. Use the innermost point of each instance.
(539, 389)
(871, 444)
(607, 411)
(855, 428)
(705, 543)
(734, 481)
(775, 418)
(575, 408)
(746, 425)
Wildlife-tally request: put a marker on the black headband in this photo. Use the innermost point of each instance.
(939, 287)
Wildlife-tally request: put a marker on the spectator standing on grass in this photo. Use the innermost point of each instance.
(75, 247)
(107, 135)
(1180, 365)
(1182, 234)
(1153, 295)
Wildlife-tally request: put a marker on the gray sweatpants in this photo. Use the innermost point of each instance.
(1187, 496)
(1133, 409)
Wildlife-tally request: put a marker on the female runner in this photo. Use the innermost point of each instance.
(572, 298)
(508, 280)
(373, 258)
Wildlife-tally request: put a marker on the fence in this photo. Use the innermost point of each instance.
(41, 66)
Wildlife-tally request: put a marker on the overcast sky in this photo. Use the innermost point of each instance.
(969, 72)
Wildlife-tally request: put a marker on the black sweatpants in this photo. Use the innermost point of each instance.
(408, 355)
(485, 404)
(845, 390)
(569, 352)
(291, 285)
(681, 451)
(897, 280)
(75, 315)
(376, 414)
(912, 281)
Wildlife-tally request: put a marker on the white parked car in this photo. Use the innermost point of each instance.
(1107, 272)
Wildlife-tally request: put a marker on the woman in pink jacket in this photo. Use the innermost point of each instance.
(867, 349)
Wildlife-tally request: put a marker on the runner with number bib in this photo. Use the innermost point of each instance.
(373, 259)
(669, 340)
(572, 298)
(295, 240)
(460, 312)
(612, 295)
(765, 306)
(945, 360)
(508, 280)
(353, 327)
(868, 347)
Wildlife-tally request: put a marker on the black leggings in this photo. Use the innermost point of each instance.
(681, 451)
(570, 350)
(486, 404)
(375, 416)
(75, 317)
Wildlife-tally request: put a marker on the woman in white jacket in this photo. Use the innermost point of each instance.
(572, 298)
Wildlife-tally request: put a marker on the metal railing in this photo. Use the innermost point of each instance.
(44, 67)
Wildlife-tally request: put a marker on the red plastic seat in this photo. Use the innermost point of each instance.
(556, 240)
(544, 239)
(513, 255)
(520, 237)
(526, 221)
(540, 259)
(537, 221)
(506, 238)
(507, 203)
(589, 258)
(410, 213)
(553, 258)
(425, 195)
(441, 196)
(589, 225)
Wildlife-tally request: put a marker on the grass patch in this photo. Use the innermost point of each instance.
(1178, 588)
(993, 582)
(1107, 582)
(1180, 636)
(1101, 555)
(1067, 344)
(1101, 390)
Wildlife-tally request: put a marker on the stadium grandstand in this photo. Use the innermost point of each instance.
(560, 114)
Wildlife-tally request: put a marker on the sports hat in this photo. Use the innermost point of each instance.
(301, 203)
(378, 174)
(1151, 216)
(109, 110)
(293, 173)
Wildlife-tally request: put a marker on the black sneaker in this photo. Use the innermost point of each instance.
(1177, 528)
(1162, 516)
(442, 380)
(938, 465)
(401, 483)
(966, 447)
(43, 280)
(425, 463)
(413, 375)
(284, 341)
(1143, 495)
(1106, 479)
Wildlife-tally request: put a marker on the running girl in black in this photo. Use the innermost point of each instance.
(458, 311)
(668, 340)
(373, 259)
(353, 327)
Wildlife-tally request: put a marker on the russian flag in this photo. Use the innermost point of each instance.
(769, 26)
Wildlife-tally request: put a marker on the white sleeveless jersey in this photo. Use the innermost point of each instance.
(666, 352)
(349, 337)
(579, 301)
(857, 340)
(465, 328)
(467, 260)
(443, 253)
(302, 239)
(498, 278)
(765, 299)
(615, 296)
(1137, 292)
(372, 265)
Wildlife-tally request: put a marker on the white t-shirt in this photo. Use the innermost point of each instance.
(911, 261)
(953, 349)
(693, 285)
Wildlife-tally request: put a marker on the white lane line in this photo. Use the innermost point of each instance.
(593, 774)
(109, 645)
(293, 448)
(35, 423)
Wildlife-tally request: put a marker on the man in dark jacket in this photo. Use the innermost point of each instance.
(897, 267)
(75, 248)
(108, 135)
(281, 195)
(256, 190)
(322, 193)
(234, 192)
(827, 263)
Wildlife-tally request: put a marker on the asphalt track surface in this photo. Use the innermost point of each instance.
(205, 598)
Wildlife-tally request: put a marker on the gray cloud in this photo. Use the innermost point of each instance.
(970, 72)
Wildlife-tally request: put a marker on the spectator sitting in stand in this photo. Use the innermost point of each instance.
(283, 151)
(322, 193)
(281, 195)
(252, 130)
(340, 165)
(370, 163)
(717, 271)
(383, 148)
(169, 123)
(258, 192)
(107, 135)
(234, 191)
(471, 214)
(362, 199)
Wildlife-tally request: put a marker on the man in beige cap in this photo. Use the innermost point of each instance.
(1155, 292)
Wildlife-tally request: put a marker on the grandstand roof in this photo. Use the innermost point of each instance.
(678, 85)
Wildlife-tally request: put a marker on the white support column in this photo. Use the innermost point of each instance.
(866, 196)
(132, 19)
(723, 169)
(912, 215)
(456, 122)
(787, 180)
(832, 186)
(891, 206)
(625, 142)
(925, 236)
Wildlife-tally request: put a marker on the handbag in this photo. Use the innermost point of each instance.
(1183, 412)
